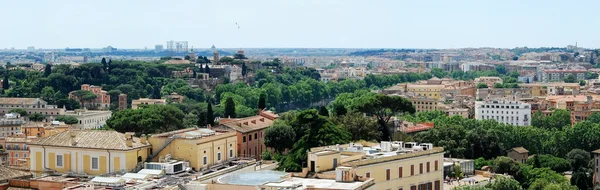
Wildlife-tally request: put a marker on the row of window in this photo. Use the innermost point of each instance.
(11, 129)
(15, 147)
(94, 162)
(205, 159)
(388, 174)
(16, 155)
(503, 107)
(250, 137)
(19, 106)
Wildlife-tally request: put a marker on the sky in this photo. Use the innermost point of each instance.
(300, 23)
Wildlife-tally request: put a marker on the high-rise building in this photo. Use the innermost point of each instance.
(158, 48)
(177, 46)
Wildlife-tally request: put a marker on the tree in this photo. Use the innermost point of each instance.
(280, 136)
(536, 161)
(210, 118)
(37, 117)
(69, 120)
(578, 158)
(501, 69)
(20, 111)
(456, 172)
(193, 73)
(207, 69)
(244, 69)
(187, 57)
(570, 79)
(5, 84)
(482, 85)
(515, 58)
(104, 64)
(239, 56)
(359, 126)
(84, 96)
(505, 183)
(262, 103)
(201, 122)
(48, 70)
(582, 83)
(558, 119)
(229, 108)
(156, 92)
(323, 111)
(147, 120)
(505, 164)
(226, 60)
(384, 107)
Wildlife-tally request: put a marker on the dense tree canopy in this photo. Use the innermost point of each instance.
(147, 120)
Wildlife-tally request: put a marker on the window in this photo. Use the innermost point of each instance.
(218, 156)
(59, 160)
(249, 137)
(400, 172)
(368, 174)
(420, 168)
(204, 160)
(435, 166)
(412, 170)
(387, 174)
(24, 155)
(95, 163)
(230, 153)
(427, 167)
(255, 135)
(244, 139)
(16, 155)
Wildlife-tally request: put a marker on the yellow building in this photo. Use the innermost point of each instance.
(434, 88)
(90, 152)
(44, 129)
(146, 101)
(392, 165)
(552, 88)
(201, 147)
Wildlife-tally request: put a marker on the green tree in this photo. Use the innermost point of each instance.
(244, 69)
(481, 162)
(84, 96)
(48, 70)
(147, 120)
(207, 69)
(558, 119)
(384, 107)
(582, 83)
(226, 60)
(501, 69)
(239, 56)
(187, 57)
(280, 136)
(37, 117)
(457, 172)
(570, 79)
(557, 164)
(323, 111)
(210, 118)
(482, 85)
(262, 103)
(505, 164)
(5, 84)
(359, 126)
(229, 108)
(578, 158)
(505, 183)
(69, 120)
(20, 111)
(536, 162)
(201, 122)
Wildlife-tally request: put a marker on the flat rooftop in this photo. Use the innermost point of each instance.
(306, 183)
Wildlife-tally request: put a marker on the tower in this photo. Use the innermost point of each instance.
(192, 56)
(122, 101)
(215, 55)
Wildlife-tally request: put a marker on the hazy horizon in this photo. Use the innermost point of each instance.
(349, 24)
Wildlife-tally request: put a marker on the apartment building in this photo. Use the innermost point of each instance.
(435, 88)
(89, 119)
(16, 147)
(250, 132)
(102, 100)
(10, 124)
(146, 101)
(580, 106)
(44, 129)
(552, 88)
(392, 165)
(88, 152)
(202, 148)
(31, 106)
(549, 75)
(511, 112)
(489, 81)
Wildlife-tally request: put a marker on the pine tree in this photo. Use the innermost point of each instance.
(48, 70)
(229, 108)
(108, 67)
(5, 84)
(207, 70)
(262, 102)
(210, 119)
(323, 111)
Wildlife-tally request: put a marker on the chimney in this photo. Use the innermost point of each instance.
(73, 135)
(129, 139)
(143, 139)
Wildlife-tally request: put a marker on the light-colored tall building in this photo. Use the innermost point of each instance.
(89, 119)
(511, 112)
(553, 75)
(177, 46)
(392, 165)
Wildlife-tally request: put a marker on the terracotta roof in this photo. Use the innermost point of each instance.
(95, 139)
(249, 123)
(9, 173)
(419, 127)
(19, 101)
(519, 150)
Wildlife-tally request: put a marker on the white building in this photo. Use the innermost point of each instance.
(89, 119)
(504, 111)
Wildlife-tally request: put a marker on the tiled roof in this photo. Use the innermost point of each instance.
(9, 173)
(520, 150)
(95, 139)
(249, 123)
(19, 101)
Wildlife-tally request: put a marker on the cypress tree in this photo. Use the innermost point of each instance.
(210, 119)
(201, 120)
(229, 108)
(48, 70)
(207, 70)
(5, 84)
(262, 103)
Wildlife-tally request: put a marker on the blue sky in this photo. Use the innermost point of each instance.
(300, 23)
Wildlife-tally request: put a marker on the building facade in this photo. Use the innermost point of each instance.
(203, 148)
(31, 106)
(250, 132)
(89, 119)
(392, 165)
(504, 111)
(146, 101)
(549, 75)
(90, 152)
(102, 100)
(17, 148)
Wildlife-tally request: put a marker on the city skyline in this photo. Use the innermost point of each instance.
(300, 24)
